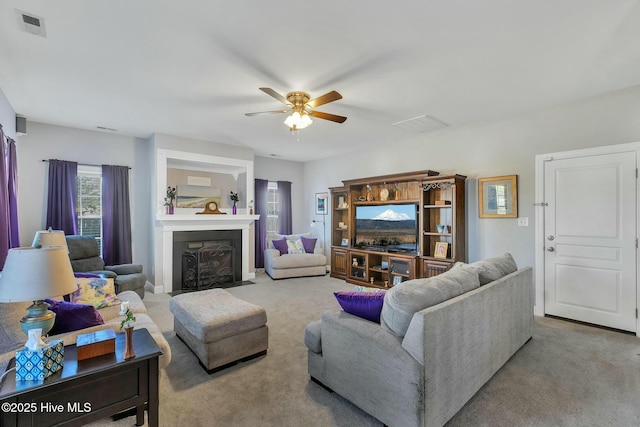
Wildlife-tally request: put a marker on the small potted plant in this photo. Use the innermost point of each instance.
(129, 317)
(168, 201)
(234, 198)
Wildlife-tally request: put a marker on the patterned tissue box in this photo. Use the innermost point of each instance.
(36, 365)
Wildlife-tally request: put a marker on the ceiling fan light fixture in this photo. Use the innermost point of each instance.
(297, 121)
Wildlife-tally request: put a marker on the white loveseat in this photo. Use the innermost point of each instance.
(283, 266)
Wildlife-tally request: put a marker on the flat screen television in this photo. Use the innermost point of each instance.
(389, 227)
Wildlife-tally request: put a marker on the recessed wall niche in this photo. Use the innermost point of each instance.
(204, 174)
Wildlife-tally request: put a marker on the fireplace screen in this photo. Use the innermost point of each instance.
(208, 267)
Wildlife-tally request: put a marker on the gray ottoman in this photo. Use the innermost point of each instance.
(219, 328)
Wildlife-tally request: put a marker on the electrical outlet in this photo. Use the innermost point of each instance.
(523, 222)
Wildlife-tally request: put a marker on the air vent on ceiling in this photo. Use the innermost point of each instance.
(32, 23)
(421, 124)
(106, 128)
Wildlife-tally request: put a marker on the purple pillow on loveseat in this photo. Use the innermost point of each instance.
(309, 244)
(281, 245)
(72, 317)
(367, 305)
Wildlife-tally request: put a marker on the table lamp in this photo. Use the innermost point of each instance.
(49, 238)
(33, 274)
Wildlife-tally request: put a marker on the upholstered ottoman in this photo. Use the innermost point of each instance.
(219, 328)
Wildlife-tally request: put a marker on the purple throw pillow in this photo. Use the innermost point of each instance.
(72, 317)
(81, 275)
(281, 245)
(367, 305)
(309, 244)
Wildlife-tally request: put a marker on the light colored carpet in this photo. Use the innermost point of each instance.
(567, 375)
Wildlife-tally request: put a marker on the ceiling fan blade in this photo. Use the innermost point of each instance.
(266, 112)
(324, 99)
(327, 116)
(275, 94)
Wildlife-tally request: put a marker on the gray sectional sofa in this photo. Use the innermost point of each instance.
(440, 340)
(12, 337)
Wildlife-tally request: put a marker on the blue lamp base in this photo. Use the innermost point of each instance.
(39, 316)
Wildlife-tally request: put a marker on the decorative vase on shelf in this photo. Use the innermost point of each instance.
(128, 343)
(170, 208)
(234, 210)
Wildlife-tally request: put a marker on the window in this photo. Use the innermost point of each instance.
(272, 208)
(89, 206)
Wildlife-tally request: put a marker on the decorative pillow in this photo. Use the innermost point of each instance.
(309, 244)
(491, 269)
(367, 289)
(367, 305)
(295, 246)
(97, 292)
(404, 300)
(281, 245)
(81, 275)
(72, 317)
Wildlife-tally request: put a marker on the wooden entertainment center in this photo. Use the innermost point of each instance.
(374, 256)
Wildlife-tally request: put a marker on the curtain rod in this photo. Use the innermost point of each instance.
(81, 164)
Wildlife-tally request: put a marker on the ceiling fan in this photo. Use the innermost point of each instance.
(301, 109)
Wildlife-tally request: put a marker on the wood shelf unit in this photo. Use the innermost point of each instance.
(440, 201)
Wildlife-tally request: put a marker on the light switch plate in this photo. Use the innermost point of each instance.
(523, 222)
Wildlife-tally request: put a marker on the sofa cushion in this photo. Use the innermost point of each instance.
(98, 292)
(309, 244)
(407, 298)
(281, 246)
(491, 269)
(367, 305)
(71, 317)
(295, 246)
(313, 336)
(298, 260)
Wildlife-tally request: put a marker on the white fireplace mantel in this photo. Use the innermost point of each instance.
(167, 224)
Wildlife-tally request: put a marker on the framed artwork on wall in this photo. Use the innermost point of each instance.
(498, 197)
(322, 199)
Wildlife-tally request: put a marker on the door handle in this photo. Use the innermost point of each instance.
(550, 237)
(550, 249)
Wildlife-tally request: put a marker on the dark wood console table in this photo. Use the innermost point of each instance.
(87, 390)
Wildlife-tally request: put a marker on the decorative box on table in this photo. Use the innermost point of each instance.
(95, 344)
(36, 365)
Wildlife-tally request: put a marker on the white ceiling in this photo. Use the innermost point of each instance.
(193, 68)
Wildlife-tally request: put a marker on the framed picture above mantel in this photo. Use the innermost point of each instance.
(498, 197)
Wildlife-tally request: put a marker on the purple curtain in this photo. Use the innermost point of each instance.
(116, 215)
(284, 207)
(5, 219)
(261, 191)
(12, 185)
(62, 196)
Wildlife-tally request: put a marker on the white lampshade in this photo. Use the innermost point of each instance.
(298, 121)
(49, 238)
(32, 274)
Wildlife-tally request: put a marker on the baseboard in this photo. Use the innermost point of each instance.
(154, 289)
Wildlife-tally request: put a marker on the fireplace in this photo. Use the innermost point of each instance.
(206, 259)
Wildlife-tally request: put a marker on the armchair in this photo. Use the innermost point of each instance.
(85, 257)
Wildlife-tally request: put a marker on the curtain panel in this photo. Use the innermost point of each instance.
(260, 193)
(284, 207)
(116, 215)
(62, 196)
(9, 236)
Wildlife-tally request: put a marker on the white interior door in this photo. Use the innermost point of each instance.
(590, 239)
